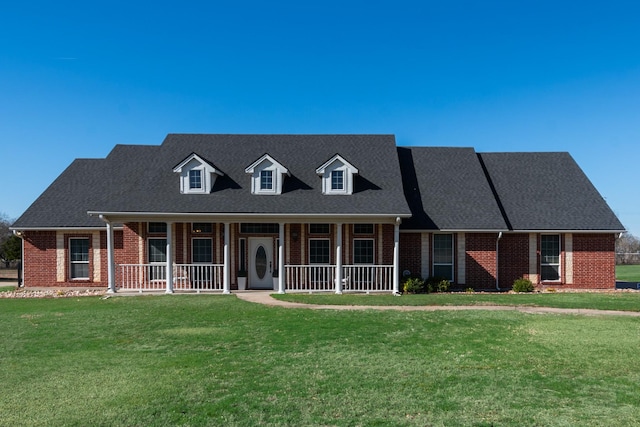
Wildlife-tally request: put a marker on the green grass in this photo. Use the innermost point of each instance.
(625, 301)
(216, 360)
(7, 288)
(628, 273)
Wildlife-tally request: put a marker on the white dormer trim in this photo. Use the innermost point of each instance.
(196, 165)
(337, 176)
(267, 170)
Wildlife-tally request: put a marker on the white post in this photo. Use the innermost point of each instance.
(226, 269)
(338, 259)
(169, 274)
(111, 266)
(396, 256)
(281, 259)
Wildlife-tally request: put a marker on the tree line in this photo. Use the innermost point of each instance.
(10, 244)
(628, 249)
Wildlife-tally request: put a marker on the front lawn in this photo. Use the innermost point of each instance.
(625, 301)
(628, 273)
(216, 360)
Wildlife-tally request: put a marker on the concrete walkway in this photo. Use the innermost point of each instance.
(264, 297)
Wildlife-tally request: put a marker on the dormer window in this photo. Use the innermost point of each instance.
(337, 176)
(197, 175)
(267, 175)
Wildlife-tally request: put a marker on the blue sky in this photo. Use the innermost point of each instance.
(76, 78)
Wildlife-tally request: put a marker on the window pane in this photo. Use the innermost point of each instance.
(157, 250)
(550, 272)
(202, 250)
(362, 228)
(195, 179)
(445, 271)
(442, 249)
(259, 228)
(318, 251)
(80, 270)
(318, 228)
(266, 180)
(79, 249)
(363, 251)
(337, 181)
(157, 227)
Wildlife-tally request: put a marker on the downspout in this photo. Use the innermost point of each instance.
(497, 261)
(19, 235)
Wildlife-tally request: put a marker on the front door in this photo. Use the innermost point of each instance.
(260, 262)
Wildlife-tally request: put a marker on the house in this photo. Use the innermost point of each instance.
(316, 213)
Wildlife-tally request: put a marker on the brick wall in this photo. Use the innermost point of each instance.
(594, 264)
(410, 253)
(514, 258)
(480, 260)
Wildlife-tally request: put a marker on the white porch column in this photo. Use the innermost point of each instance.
(111, 266)
(226, 269)
(396, 256)
(338, 259)
(169, 274)
(281, 259)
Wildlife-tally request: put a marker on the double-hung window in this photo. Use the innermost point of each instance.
(79, 258)
(550, 257)
(157, 258)
(443, 256)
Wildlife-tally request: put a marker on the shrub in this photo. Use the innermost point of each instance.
(413, 285)
(522, 285)
(469, 290)
(437, 284)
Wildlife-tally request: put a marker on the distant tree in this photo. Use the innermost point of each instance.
(10, 245)
(627, 249)
(11, 250)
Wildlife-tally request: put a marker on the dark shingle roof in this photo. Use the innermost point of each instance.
(547, 191)
(447, 190)
(141, 179)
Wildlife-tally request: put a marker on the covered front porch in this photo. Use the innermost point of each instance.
(205, 255)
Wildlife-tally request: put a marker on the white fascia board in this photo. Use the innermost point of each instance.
(208, 166)
(320, 170)
(61, 228)
(456, 230)
(251, 168)
(248, 217)
(575, 231)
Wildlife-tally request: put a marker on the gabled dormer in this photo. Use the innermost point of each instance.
(267, 175)
(197, 175)
(337, 176)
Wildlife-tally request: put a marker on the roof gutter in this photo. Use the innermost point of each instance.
(498, 261)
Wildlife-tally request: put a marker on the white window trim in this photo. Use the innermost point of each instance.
(337, 163)
(267, 163)
(208, 174)
(559, 263)
(373, 251)
(309, 250)
(72, 262)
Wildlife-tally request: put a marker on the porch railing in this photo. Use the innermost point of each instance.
(357, 278)
(152, 277)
